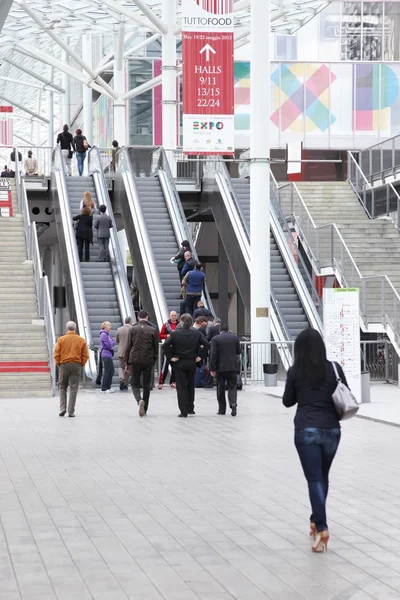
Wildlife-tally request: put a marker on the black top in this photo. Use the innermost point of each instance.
(12, 156)
(85, 227)
(315, 406)
(78, 144)
(225, 353)
(66, 140)
(202, 312)
(213, 331)
(185, 343)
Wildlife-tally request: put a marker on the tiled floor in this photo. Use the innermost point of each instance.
(108, 506)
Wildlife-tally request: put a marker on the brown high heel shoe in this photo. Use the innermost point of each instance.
(321, 542)
(313, 530)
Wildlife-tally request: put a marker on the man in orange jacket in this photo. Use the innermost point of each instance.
(71, 354)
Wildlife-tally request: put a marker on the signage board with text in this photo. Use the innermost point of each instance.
(342, 333)
(208, 77)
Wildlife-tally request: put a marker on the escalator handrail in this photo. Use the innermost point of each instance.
(145, 248)
(307, 301)
(116, 260)
(176, 212)
(279, 328)
(82, 315)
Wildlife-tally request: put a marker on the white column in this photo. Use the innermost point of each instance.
(120, 124)
(87, 91)
(50, 113)
(169, 100)
(260, 178)
(65, 98)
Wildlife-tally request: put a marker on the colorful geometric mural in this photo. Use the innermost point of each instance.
(369, 111)
(242, 96)
(301, 97)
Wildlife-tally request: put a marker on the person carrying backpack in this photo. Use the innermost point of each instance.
(81, 145)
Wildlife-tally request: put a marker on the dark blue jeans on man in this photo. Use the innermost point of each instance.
(317, 449)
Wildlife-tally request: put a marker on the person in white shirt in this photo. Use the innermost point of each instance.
(30, 164)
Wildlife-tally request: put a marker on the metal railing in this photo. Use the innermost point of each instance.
(255, 354)
(42, 154)
(95, 168)
(376, 200)
(381, 160)
(380, 359)
(45, 307)
(68, 234)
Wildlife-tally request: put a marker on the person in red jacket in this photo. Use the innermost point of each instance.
(165, 332)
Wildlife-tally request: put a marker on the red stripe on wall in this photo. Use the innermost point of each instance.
(24, 367)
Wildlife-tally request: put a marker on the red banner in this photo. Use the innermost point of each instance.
(208, 73)
(208, 76)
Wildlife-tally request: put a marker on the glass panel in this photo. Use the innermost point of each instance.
(286, 47)
(391, 37)
(141, 107)
(329, 33)
(372, 22)
(351, 31)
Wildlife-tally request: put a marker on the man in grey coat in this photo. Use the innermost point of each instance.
(103, 225)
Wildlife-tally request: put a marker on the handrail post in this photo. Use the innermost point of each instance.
(381, 160)
(364, 298)
(370, 165)
(383, 307)
(386, 354)
(393, 157)
(387, 200)
(373, 203)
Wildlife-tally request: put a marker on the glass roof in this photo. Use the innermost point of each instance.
(23, 33)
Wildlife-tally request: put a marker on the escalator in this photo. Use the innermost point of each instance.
(295, 302)
(96, 291)
(155, 226)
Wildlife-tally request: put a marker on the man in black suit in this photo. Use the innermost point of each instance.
(225, 364)
(214, 329)
(183, 348)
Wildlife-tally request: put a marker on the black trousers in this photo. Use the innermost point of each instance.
(185, 370)
(164, 371)
(230, 377)
(108, 374)
(191, 302)
(139, 369)
(82, 242)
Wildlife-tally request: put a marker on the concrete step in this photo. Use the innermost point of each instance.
(10, 392)
(20, 327)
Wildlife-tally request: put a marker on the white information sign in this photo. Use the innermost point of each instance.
(342, 333)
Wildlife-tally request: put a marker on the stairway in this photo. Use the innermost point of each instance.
(373, 243)
(97, 277)
(24, 360)
(282, 286)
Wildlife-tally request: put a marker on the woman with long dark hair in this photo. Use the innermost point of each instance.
(310, 384)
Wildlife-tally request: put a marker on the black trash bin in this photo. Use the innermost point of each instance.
(270, 374)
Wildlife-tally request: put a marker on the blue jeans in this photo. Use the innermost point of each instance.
(80, 159)
(317, 449)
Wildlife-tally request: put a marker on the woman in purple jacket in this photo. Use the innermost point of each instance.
(107, 344)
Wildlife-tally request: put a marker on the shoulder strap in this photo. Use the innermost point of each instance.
(336, 371)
